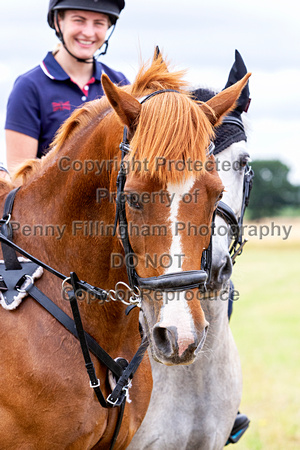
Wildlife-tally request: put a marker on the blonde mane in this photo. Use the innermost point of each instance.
(183, 136)
(171, 127)
(156, 76)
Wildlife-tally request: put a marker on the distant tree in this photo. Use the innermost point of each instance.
(271, 190)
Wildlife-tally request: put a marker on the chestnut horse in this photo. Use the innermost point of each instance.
(194, 407)
(63, 214)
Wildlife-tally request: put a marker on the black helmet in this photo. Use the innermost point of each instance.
(110, 7)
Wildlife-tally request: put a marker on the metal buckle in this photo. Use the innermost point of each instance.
(93, 386)
(26, 277)
(135, 297)
(238, 251)
(125, 147)
(8, 219)
(125, 389)
(66, 280)
(123, 394)
(110, 402)
(211, 148)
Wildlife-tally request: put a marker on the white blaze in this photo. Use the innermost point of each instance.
(176, 312)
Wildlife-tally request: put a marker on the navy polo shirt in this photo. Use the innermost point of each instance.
(43, 98)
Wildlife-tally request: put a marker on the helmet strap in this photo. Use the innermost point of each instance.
(105, 44)
(81, 60)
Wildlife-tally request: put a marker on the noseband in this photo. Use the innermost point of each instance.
(177, 281)
(223, 210)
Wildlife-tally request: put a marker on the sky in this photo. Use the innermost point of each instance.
(195, 35)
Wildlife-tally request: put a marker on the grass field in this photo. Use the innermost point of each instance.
(266, 327)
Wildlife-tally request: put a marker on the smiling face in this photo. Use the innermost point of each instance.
(84, 32)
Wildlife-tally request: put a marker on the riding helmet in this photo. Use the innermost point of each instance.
(110, 7)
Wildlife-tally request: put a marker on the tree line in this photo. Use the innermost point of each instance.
(272, 193)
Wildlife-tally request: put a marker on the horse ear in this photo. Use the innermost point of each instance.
(221, 104)
(158, 57)
(157, 53)
(237, 72)
(126, 106)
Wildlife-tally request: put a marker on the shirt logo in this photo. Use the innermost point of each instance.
(59, 106)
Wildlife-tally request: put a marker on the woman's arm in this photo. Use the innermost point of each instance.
(19, 147)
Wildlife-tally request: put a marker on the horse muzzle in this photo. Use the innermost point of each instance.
(170, 348)
(177, 337)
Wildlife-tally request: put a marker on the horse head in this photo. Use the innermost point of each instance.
(170, 193)
(231, 159)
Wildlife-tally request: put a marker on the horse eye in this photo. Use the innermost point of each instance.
(219, 198)
(244, 160)
(133, 201)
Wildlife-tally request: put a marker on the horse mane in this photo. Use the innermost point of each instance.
(157, 76)
(174, 148)
(5, 186)
(184, 136)
(25, 171)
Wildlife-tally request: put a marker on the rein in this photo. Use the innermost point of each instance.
(121, 369)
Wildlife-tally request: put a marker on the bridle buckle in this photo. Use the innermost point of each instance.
(238, 250)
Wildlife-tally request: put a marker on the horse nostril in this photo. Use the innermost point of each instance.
(165, 339)
(225, 270)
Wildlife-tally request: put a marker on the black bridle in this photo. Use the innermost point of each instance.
(223, 210)
(178, 281)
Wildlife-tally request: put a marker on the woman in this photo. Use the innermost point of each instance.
(43, 98)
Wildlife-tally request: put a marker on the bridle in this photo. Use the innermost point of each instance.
(177, 281)
(122, 370)
(223, 210)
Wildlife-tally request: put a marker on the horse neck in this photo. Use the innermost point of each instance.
(55, 201)
(66, 183)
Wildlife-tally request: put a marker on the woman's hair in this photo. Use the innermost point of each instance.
(57, 48)
(61, 13)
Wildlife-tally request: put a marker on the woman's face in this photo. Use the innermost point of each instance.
(83, 31)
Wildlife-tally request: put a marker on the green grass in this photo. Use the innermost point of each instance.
(290, 211)
(266, 327)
